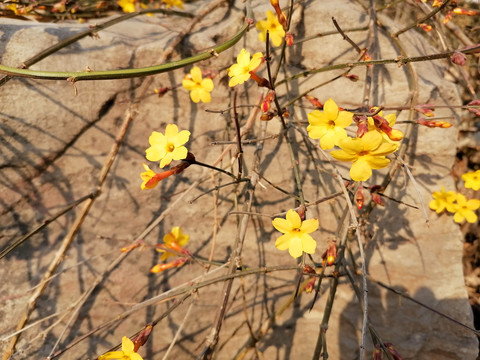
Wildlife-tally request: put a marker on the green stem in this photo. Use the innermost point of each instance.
(124, 73)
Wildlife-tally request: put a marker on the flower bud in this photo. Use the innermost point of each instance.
(460, 11)
(314, 101)
(426, 109)
(458, 58)
(448, 17)
(170, 265)
(267, 116)
(425, 27)
(310, 284)
(434, 123)
(289, 38)
(351, 77)
(362, 124)
(142, 337)
(359, 198)
(161, 91)
(330, 255)
(268, 100)
(475, 111)
(377, 199)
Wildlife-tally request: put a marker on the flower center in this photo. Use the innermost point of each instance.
(170, 147)
(296, 230)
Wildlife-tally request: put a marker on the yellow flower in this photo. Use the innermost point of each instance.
(127, 6)
(465, 209)
(367, 153)
(472, 180)
(389, 134)
(275, 29)
(443, 200)
(170, 3)
(174, 240)
(296, 232)
(240, 72)
(168, 147)
(127, 352)
(147, 176)
(199, 88)
(328, 126)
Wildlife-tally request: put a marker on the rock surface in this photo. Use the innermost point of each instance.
(53, 145)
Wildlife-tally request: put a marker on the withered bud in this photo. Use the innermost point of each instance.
(351, 77)
(301, 211)
(161, 91)
(310, 285)
(377, 199)
(267, 116)
(362, 124)
(142, 337)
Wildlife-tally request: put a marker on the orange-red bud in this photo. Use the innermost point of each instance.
(170, 265)
(360, 198)
(426, 109)
(133, 246)
(434, 123)
(289, 38)
(460, 11)
(425, 27)
(314, 101)
(448, 16)
(268, 100)
(330, 255)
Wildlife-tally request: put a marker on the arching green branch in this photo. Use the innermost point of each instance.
(124, 73)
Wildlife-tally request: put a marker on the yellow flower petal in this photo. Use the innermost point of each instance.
(360, 171)
(294, 219)
(309, 225)
(282, 225)
(283, 242)
(308, 244)
(330, 109)
(171, 131)
(295, 248)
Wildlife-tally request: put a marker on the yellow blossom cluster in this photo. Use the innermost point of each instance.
(456, 203)
(366, 152)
